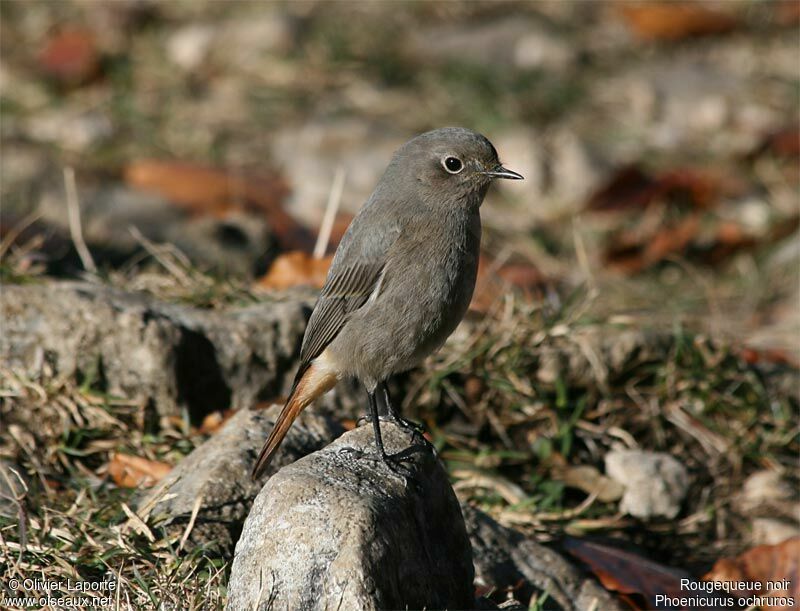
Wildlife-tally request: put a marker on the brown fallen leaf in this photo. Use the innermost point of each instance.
(630, 187)
(70, 56)
(214, 421)
(668, 21)
(784, 142)
(295, 268)
(203, 189)
(135, 472)
(777, 566)
(773, 356)
(525, 278)
(787, 12)
(631, 252)
(628, 573)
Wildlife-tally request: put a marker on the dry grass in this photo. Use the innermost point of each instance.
(72, 522)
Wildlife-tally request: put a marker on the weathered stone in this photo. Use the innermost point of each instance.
(338, 529)
(215, 477)
(172, 356)
(506, 559)
(238, 242)
(655, 482)
(769, 531)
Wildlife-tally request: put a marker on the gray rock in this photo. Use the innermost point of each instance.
(655, 482)
(238, 242)
(310, 154)
(168, 355)
(338, 530)
(506, 559)
(769, 531)
(506, 41)
(215, 477)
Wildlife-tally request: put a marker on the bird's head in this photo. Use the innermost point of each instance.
(451, 161)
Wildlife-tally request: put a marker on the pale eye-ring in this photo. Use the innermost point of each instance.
(452, 164)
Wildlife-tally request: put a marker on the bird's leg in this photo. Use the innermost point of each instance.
(393, 414)
(376, 427)
(416, 429)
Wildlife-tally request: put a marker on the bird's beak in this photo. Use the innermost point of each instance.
(501, 172)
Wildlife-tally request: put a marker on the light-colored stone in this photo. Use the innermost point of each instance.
(338, 530)
(215, 477)
(765, 486)
(310, 155)
(173, 356)
(76, 130)
(188, 46)
(769, 531)
(655, 482)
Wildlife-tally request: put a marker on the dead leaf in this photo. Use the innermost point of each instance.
(770, 565)
(630, 187)
(787, 12)
(214, 421)
(135, 472)
(295, 268)
(669, 21)
(71, 56)
(632, 252)
(671, 240)
(773, 356)
(523, 277)
(202, 189)
(474, 387)
(784, 142)
(628, 573)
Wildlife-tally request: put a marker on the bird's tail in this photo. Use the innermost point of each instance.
(311, 382)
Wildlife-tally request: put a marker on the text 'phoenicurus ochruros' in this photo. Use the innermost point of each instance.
(402, 276)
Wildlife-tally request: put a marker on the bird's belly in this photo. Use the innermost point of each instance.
(412, 316)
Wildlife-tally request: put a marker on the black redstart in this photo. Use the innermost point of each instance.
(402, 276)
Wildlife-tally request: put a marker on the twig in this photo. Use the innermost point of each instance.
(195, 510)
(156, 251)
(334, 198)
(74, 217)
(17, 229)
(582, 257)
(137, 523)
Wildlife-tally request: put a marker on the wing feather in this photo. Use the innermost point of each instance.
(355, 272)
(346, 290)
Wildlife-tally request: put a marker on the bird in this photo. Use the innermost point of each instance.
(401, 278)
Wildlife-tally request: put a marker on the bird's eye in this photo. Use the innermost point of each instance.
(452, 164)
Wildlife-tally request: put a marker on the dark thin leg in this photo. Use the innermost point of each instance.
(376, 425)
(389, 461)
(394, 414)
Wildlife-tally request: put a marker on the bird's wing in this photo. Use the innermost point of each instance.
(355, 273)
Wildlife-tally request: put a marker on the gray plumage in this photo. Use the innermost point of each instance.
(403, 275)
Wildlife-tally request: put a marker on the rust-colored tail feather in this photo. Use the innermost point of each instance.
(310, 383)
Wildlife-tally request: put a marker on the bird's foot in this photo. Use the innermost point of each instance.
(417, 431)
(406, 425)
(394, 462)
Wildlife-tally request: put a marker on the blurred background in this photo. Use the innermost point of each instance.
(659, 141)
(192, 150)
